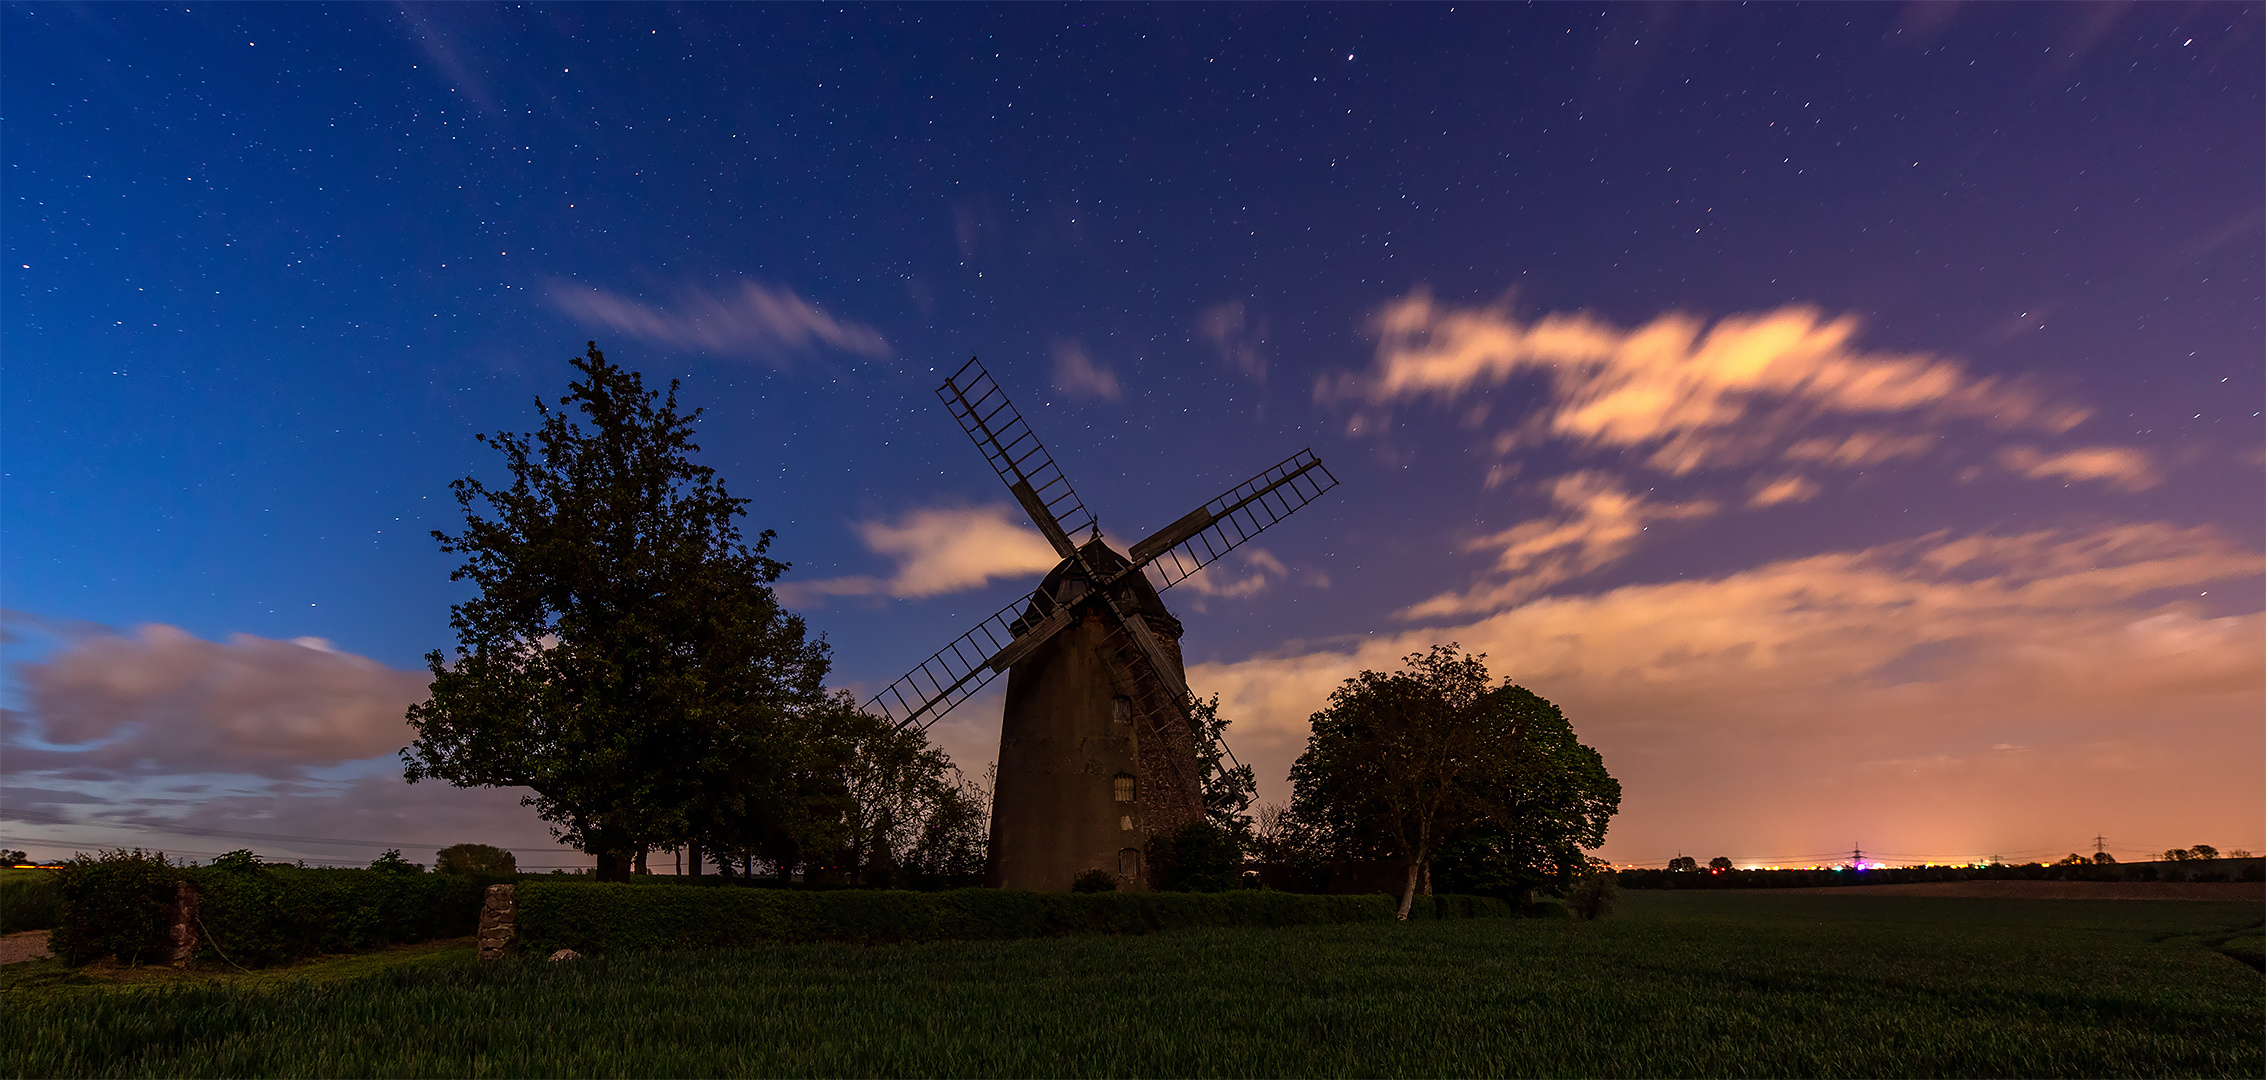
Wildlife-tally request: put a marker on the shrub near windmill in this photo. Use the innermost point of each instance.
(1095, 751)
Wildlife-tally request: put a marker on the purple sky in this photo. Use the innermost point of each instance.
(1849, 414)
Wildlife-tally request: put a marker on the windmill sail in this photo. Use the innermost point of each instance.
(1177, 551)
(1016, 455)
(957, 670)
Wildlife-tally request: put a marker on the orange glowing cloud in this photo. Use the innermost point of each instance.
(1872, 692)
(1691, 394)
(2117, 466)
(1602, 523)
(937, 551)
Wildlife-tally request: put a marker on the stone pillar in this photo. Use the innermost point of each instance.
(498, 913)
(181, 923)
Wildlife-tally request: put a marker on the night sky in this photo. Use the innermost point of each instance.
(1849, 414)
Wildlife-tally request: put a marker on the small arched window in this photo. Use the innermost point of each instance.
(1124, 787)
(1121, 709)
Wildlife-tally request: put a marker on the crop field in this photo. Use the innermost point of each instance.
(1676, 984)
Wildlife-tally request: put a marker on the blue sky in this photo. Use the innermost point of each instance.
(1849, 413)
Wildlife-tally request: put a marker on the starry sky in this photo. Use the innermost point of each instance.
(1849, 414)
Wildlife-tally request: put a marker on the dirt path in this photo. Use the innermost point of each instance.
(2236, 891)
(17, 948)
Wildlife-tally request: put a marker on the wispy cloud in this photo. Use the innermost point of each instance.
(433, 41)
(1236, 336)
(1804, 681)
(2117, 466)
(1078, 375)
(773, 324)
(1860, 448)
(1254, 570)
(1602, 522)
(1685, 393)
(1784, 489)
(938, 550)
(162, 701)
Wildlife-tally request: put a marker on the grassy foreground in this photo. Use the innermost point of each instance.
(1678, 984)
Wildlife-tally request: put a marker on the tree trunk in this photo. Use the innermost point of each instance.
(692, 858)
(1424, 884)
(614, 854)
(638, 867)
(1419, 865)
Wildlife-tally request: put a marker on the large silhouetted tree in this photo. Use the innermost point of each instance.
(624, 657)
(1408, 764)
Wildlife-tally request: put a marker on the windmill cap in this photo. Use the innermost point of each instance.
(1134, 592)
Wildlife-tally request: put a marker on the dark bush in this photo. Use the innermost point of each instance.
(29, 900)
(1593, 895)
(1093, 881)
(391, 862)
(114, 905)
(1202, 857)
(594, 916)
(480, 859)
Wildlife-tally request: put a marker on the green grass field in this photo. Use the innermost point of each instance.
(1677, 984)
(29, 900)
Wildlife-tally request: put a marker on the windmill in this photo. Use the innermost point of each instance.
(1095, 751)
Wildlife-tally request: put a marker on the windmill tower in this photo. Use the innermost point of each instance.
(1095, 751)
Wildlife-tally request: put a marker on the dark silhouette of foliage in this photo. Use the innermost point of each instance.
(1200, 857)
(625, 657)
(903, 817)
(1228, 789)
(1093, 881)
(1595, 892)
(1434, 762)
(114, 905)
(392, 863)
(478, 859)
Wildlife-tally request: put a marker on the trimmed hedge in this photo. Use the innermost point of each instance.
(277, 914)
(253, 915)
(593, 916)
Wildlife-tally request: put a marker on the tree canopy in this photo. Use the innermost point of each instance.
(624, 657)
(1433, 763)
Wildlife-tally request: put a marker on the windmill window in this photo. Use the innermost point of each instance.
(1124, 783)
(1129, 864)
(1125, 823)
(1121, 709)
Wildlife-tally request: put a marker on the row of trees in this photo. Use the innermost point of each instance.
(2201, 851)
(625, 660)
